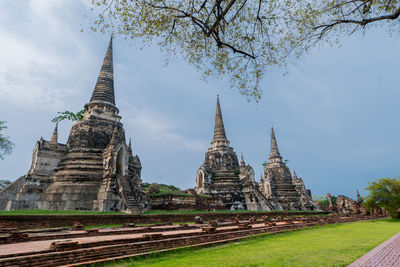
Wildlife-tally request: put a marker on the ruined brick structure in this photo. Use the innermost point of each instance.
(305, 196)
(347, 205)
(174, 201)
(96, 170)
(221, 176)
(254, 198)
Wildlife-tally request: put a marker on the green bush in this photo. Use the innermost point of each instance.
(384, 193)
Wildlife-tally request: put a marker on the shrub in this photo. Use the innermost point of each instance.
(384, 193)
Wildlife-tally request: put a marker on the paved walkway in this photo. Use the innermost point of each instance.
(386, 254)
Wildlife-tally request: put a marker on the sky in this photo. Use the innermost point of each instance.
(335, 112)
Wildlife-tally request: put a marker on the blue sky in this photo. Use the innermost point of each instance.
(335, 113)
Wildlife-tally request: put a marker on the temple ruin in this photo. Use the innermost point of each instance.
(285, 192)
(222, 176)
(96, 170)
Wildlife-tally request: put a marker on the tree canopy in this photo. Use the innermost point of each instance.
(68, 115)
(4, 183)
(323, 200)
(384, 193)
(241, 39)
(6, 145)
(157, 188)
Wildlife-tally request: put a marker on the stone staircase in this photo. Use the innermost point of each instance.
(262, 200)
(128, 194)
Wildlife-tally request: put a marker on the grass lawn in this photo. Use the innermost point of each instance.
(102, 226)
(329, 245)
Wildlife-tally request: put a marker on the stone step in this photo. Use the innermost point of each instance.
(84, 154)
(80, 167)
(78, 173)
(86, 150)
(129, 194)
(80, 176)
(80, 161)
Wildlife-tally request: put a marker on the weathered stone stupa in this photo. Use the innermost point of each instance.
(95, 170)
(221, 176)
(279, 187)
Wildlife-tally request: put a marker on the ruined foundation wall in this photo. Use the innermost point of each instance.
(45, 221)
(182, 202)
(8, 194)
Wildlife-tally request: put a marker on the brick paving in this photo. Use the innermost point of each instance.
(42, 246)
(384, 255)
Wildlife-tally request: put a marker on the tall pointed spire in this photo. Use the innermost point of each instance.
(359, 199)
(242, 163)
(294, 174)
(274, 153)
(219, 129)
(130, 145)
(54, 136)
(104, 90)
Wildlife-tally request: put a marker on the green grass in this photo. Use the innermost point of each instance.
(103, 226)
(55, 212)
(329, 245)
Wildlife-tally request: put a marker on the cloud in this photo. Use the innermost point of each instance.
(156, 129)
(39, 55)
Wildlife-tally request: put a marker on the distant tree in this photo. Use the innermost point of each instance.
(145, 186)
(6, 145)
(153, 188)
(68, 115)
(319, 198)
(333, 198)
(241, 38)
(172, 188)
(384, 193)
(4, 183)
(323, 200)
(264, 164)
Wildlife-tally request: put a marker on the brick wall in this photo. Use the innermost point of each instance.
(44, 221)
